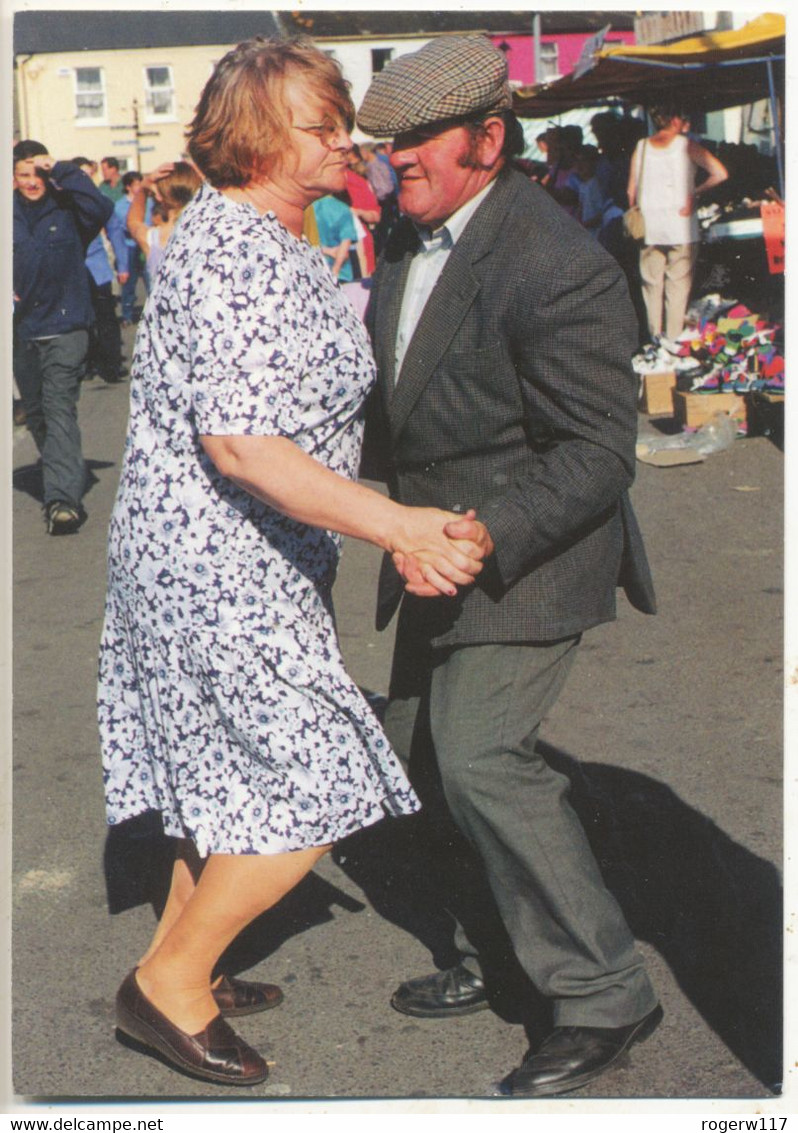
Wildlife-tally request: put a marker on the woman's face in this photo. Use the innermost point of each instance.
(316, 163)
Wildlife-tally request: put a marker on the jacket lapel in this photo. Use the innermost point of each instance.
(447, 306)
(390, 287)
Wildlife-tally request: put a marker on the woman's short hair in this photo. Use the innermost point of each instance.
(663, 114)
(241, 125)
(178, 187)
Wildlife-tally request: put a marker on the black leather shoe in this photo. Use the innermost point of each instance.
(573, 1056)
(453, 992)
(215, 1054)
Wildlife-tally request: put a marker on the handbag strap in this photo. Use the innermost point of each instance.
(640, 178)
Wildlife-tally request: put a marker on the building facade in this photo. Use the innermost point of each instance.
(126, 84)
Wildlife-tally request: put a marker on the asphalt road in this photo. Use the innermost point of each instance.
(671, 728)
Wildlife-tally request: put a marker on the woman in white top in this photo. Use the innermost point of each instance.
(662, 180)
(172, 186)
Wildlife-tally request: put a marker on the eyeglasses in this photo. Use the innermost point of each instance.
(326, 131)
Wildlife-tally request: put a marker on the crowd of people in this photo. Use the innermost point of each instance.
(459, 307)
(596, 184)
(67, 289)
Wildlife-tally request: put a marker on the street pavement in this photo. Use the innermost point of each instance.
(670, 727)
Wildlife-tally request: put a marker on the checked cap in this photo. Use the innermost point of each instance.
(450, 77)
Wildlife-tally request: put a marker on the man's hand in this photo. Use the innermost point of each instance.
(467, 536)
(470, 530)
(43, 164)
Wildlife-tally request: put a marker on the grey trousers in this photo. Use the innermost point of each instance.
(467, 719)
(48, 373)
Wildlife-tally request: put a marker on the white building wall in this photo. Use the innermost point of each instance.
(46, 95)
(355, 57)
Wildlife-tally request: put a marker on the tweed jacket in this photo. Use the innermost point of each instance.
(516, 397)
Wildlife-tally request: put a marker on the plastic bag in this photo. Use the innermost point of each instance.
(715, 435)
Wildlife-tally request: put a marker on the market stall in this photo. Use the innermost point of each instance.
(733, 349)
(710, 71)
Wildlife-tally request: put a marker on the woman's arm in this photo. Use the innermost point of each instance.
(136, 223)
(716, 173)
(631, 186)
(340, 254)
(280, 474)
(368, 216)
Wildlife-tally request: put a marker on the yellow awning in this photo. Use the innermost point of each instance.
(705, 72)
(709, 46)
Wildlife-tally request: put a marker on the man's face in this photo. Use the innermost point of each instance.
(28, 181)
(109, 172)
(435, 173)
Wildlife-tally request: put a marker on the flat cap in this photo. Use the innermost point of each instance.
(450, 77)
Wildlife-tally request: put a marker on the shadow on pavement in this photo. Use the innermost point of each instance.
(138, 861)
(28, 478)
(712, 908)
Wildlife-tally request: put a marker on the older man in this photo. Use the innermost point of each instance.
(503, 337)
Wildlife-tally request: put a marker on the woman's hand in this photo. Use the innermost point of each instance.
(468, 542)
(149, 181)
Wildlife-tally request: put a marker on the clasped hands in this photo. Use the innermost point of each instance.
(441, 552)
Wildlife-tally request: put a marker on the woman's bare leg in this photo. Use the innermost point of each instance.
(231, 892)
(185, 873)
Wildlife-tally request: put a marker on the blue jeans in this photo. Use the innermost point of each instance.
(48, 372)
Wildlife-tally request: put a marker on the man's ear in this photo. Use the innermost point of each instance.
(491, 141)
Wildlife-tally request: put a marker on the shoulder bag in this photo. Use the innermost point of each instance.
(634, 226)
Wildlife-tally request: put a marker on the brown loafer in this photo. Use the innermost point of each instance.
(216, 1054)
(243, 997)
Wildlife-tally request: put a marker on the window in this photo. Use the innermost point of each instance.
(549, 63)
(159, 92)
(380, 57)
(89, 94)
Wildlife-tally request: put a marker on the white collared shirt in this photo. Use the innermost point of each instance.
(425, 268)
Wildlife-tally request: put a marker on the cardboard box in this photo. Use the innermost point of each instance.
(656, 395)
(695, 409)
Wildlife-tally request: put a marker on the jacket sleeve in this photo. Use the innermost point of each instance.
(90, 208)
(571, 344)
(116, 235)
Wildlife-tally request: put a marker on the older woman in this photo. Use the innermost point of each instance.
(224, 703)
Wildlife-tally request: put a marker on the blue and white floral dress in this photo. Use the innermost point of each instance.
(223, 699)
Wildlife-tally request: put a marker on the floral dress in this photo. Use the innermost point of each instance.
(223, 699)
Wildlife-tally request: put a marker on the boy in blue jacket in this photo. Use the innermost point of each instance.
(57, 213)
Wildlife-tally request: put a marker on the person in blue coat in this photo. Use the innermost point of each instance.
(105, 341)
(58, 211)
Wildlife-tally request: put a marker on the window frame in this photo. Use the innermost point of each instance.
(83, 121)
(386, 55)
(151, 115)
